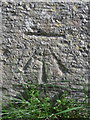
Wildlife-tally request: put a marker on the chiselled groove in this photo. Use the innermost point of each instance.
(44, 74)
(40, 32)
(28, 62)
(59, 62)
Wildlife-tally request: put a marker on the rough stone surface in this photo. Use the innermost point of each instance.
(45, 43)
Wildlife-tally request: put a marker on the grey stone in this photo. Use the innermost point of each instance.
(82, 42)
(45, 42)
(85, 54)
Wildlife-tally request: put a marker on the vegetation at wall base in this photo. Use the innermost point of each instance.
(30, 105)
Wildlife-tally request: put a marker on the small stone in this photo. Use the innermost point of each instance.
(29, 23)
(30, 30)
(74, 8)
(82, 16)
(44, 43)
(85, 21)
(83, 36)
(82, 42)
(20, 3)
(84, 54)
(86, 8)
(26, 54)
(81, 49)
(28, 7)
(20, 7)
(32, 5)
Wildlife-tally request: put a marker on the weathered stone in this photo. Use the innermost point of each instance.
(45, 42)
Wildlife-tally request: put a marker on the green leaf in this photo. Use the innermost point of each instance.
(68, 110)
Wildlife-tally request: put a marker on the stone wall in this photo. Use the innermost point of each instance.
(45, 42)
